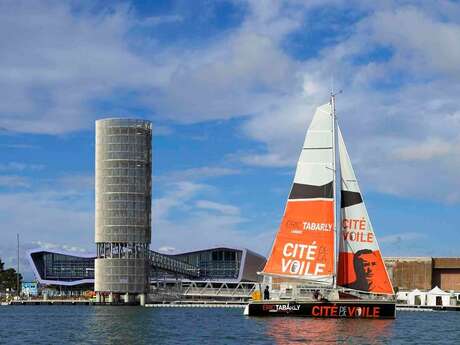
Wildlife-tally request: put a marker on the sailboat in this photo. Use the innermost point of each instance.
(326, 246)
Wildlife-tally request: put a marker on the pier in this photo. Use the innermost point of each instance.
(169, 304)
(202, 304)
(51, 302)
(198, 304)
(409, 307)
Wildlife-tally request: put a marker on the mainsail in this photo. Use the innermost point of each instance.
(361, 266)
(304, 245)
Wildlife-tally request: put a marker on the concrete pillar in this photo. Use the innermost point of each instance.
(142, 299)
(98, 297)
(45, 296)
(127, 298)
(111, 297)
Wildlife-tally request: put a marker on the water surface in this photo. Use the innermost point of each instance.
(136, 325)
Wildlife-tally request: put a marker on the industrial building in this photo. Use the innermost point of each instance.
(123, 207)
(424, 273)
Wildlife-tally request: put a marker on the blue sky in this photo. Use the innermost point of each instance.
(230, 87)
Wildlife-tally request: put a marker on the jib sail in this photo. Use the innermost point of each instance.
(360, 266)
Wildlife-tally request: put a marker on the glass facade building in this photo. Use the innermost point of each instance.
(214, 264)
(219, 263)
(65, 267)
(55, 267)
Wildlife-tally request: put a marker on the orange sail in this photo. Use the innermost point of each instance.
(361, 266)
(304, 244)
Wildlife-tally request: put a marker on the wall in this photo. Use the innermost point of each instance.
(410, 273)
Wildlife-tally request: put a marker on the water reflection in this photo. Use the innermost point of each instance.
(291, 330)
(118, 325)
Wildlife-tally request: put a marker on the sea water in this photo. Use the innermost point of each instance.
(137, 325)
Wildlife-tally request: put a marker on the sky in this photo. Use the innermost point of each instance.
(230, 87)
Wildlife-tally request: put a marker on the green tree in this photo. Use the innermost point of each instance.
(8, 278)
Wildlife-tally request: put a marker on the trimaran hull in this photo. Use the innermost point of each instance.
(346, 309)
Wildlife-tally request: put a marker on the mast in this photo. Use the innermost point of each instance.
(335, 164)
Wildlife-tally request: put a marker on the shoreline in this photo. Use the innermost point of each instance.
(198, 304)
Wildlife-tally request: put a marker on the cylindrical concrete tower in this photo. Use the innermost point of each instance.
(123, 205)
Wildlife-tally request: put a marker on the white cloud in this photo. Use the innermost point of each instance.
(184, 220)
(177, 195)
(193, 174)
(266, 160)
(428, 150)
(219, 207)
(14, 181)
(76, 182)
(399, 113)
(158, 20)
(20, 166)
(408, 244)
(167, 249)
(45, 217)
(236, 76)
(204, 230)
(19, 146)
(46, 214)
(401, 237)
(79, 59)
(162, 131)
(65, 247)
(56, 63)
(421, 39)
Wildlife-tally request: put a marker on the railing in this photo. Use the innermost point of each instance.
(172, 265)
(279, 291)
(242, 290)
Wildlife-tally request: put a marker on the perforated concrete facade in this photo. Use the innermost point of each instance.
(123, 204)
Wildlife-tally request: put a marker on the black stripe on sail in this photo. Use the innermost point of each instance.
(350, 198)
(307, 191)
(318, 148)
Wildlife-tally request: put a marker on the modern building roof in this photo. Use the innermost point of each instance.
(249, 264)
(30, 257)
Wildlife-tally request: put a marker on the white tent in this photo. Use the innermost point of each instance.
(402, 296)
(437, 296)
(416, 297)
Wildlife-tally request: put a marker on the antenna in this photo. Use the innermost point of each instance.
(333, 94)
(337, 93)
(332, 85)
(17, 273)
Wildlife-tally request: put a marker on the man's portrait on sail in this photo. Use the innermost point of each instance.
(367, 269)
